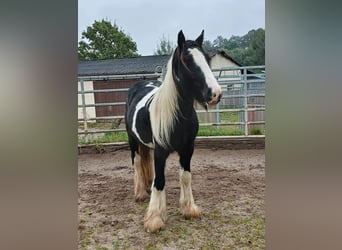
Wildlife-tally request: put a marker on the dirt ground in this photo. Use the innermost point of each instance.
(228, 185)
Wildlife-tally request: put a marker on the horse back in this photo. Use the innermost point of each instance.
(137, 117)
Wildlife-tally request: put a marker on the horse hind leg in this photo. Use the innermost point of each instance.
(143, 173)
(147, 166)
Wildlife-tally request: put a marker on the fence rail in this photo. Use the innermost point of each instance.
(243, 98)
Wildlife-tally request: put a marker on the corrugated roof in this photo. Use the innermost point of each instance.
(137, 65)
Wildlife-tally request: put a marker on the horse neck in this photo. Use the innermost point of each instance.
(167, 107)
(181, 98)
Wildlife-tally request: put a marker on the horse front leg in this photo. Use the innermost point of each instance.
(187, 204)
(156, 216)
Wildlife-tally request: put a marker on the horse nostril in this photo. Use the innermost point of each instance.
(214, 95)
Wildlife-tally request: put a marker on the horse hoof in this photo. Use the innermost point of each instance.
(191, 212)
(142, 197)
(153, 224)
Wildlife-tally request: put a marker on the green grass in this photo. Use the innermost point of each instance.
(219, 131)
(97, 125)
(255, 131)
(248, 232)
(112, 137)
(121, 136)
(85, 237)
(229, 116)
(99, 247)
(106, 138)
(232, 116)
(101, 125)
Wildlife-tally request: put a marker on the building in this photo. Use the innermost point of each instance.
(121, 74)
(114, 74)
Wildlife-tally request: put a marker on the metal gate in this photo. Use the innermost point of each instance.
(242, 105)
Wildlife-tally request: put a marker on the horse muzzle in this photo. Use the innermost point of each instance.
(214, 96)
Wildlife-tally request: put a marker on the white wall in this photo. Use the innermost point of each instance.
(219, 61)
(89, 99)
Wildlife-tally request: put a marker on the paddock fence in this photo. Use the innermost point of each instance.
(241, 111)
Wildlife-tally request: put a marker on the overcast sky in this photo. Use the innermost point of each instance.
(146, 21)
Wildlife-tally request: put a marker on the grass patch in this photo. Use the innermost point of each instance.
(108, 137)
(101, 125)
(97, 125)
(248, 232)
(98, 247)
(256, 131)
(232, 116)
(210, 245)
(229, 116)
(122, 135)
(219, 131)
(112, 137)
(85, 237)
(116, 244)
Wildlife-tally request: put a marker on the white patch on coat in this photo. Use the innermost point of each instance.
(186, 202)
(141, 104)
(186, 197)
(158, 201)
(208, 74)
(156, 215)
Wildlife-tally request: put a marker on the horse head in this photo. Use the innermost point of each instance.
(192, 73)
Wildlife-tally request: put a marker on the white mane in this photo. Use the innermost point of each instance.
(164, 108)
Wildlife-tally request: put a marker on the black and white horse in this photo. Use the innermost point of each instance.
(160, 118)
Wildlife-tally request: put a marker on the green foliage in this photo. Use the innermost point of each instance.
(248, 49)
(255, 131)
(104, 40)
(165, 47)
(208, 46)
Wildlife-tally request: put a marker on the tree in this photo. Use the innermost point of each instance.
(257, 47)
(209, 47)
(165, 47)
(247, 50)
(104, 40)
(220, 42)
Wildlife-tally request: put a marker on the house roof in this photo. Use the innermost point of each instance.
(136, 65)
(224, 54)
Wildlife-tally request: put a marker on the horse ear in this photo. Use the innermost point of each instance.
(181, 40)
(199, 39)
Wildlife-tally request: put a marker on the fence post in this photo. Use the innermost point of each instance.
(217, 115)
(245, 86)
(84, 111)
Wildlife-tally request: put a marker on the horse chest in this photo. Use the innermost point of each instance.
(184, 132)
